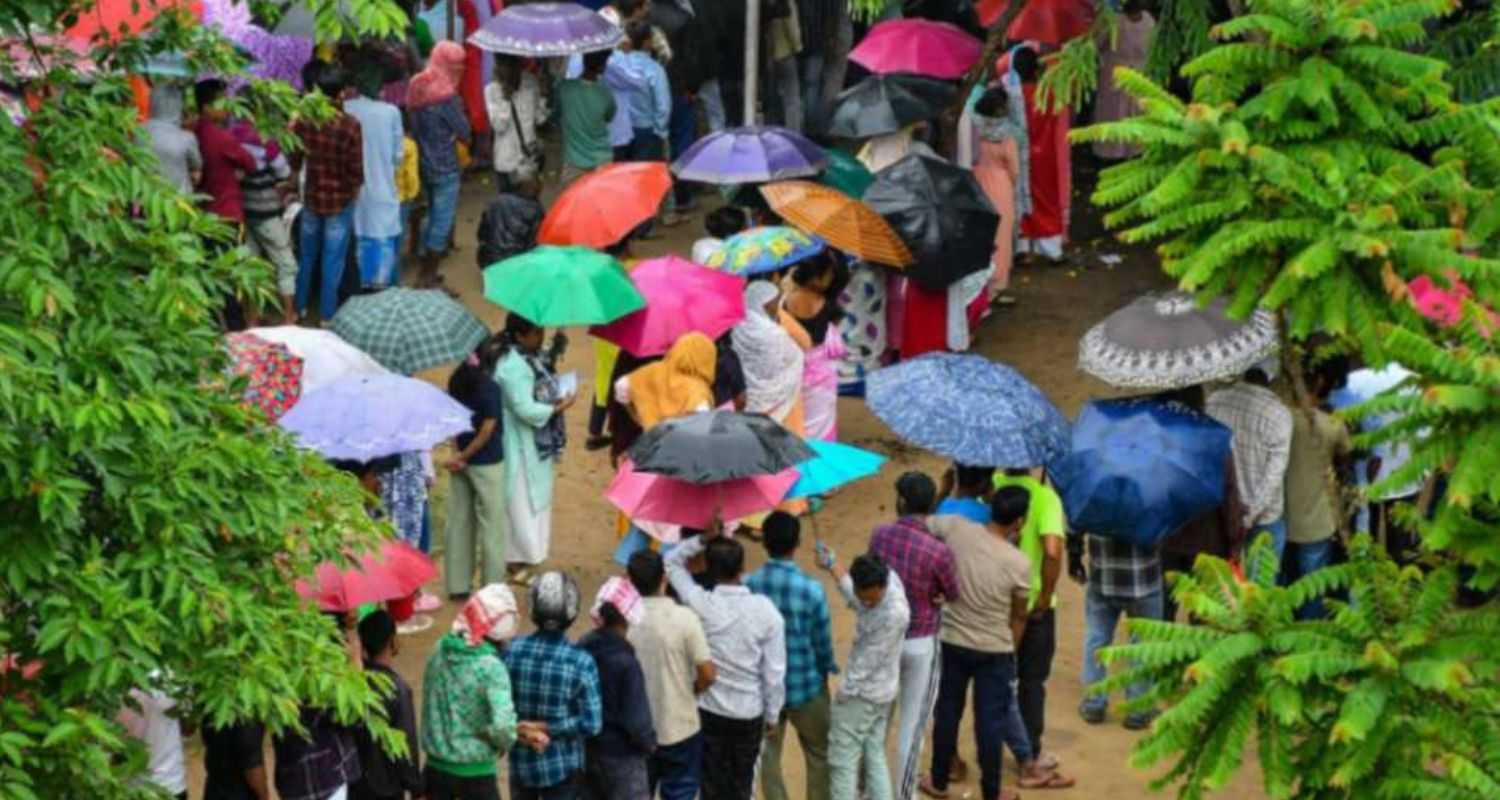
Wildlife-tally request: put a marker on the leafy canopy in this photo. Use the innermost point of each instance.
(150, 526)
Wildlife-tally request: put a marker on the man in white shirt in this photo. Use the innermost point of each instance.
(162, 735)
(746, 639)
(674, 655)
(1262, 445)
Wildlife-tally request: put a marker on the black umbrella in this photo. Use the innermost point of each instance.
(882, 104)
(941, 213)
(718, 446)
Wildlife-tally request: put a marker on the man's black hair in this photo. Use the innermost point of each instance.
(594, 63)
(725, 558)
(868, 572)
(973, 478)
(1009, 504)
(376, 631)
(917, 493)
(207, 92)
(782, 532)
(646, 571)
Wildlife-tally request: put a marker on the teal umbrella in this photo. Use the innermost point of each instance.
(832, 466)
(555, 286)
(845, 173)
(409, 330)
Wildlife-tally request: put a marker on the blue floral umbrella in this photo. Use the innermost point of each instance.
(970, 409)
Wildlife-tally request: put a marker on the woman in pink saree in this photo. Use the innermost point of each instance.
(998, 170)
(812, 302)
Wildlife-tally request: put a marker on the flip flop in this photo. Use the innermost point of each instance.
(1051, 780)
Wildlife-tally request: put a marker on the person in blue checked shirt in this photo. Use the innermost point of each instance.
(809, 658)
(556, 684)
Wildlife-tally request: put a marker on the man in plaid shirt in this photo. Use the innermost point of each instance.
(555, 685)
(809, 657)
(334, 155)
(929, 576)
(1122, 579)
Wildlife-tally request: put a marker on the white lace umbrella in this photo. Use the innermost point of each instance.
(1167, 341)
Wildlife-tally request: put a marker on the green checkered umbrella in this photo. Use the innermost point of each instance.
(409, 330)
(554, 286)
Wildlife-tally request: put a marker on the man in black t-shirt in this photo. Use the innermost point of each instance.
(234, 758)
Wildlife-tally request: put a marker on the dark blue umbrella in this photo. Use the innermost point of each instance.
(969, 409)
(1141, 469)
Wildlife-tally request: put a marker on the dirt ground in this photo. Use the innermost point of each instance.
(1038, 336)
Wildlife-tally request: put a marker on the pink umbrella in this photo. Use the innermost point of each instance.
(654, 498)
(1444, 306)
(935, 49)
(681, 297)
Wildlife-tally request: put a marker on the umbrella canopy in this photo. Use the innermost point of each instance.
(1044, 21)
(325, 357)
(718, 446)
(834, 465)
(409, 330)
(540, 30)
(838, 219)
(764, 249)
(1141, 469)
(942, 214)
(367, 417)
(116, 19)
(918, 46)
(396, 571)
(274, 374)
(882, 104)
(753, 154)
(1167, 341)
(846, 173)
(563, 286)
(603, 206)
(970, 409)
(681, 297)
(649, 497)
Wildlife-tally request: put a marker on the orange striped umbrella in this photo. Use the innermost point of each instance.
(845, 223)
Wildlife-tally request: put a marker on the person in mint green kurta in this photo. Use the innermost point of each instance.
(468, 717)
(532, 440)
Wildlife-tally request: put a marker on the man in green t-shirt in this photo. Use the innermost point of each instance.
(1043, 539)
(584, 109)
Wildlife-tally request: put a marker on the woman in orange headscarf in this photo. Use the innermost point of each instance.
(682, 383)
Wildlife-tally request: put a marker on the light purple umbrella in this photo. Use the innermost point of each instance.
(369, 416)
(540, 30)
(750, 155)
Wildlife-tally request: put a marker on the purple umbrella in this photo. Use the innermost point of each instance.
(368, 416)
(547, 29)
(750, 155)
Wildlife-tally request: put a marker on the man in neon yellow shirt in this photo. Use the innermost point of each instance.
(1043, 539)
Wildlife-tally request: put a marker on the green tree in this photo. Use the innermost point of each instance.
(1321, 163)
(150, 526)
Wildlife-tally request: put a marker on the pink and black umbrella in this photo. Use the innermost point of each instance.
(656, 498)
(920, 46)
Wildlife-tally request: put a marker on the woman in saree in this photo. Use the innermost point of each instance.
(771, 358)
(998, 170)
(813, 301)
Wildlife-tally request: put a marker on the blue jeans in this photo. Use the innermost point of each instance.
(682, 131)
(1304, 560)
(1015, 732)
(991, 674)
(1277, 530)
(810, 67)
(442, 208)
(324, 241)
(1101, 614)
(677, 769)
(402, 238)
(646, 145)
(377, 261)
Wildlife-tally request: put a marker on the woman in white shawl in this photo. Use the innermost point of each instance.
(771, 358)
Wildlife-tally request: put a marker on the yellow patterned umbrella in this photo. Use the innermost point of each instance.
(765, 249)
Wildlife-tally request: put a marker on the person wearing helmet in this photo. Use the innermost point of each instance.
(555, 684)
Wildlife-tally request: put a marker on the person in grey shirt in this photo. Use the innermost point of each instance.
(176, 149)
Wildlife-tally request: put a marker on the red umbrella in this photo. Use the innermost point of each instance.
(1045, 21)
(603, 206)
(117, 18)
(681, 297)
(397, 571)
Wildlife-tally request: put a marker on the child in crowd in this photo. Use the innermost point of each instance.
(721, 224)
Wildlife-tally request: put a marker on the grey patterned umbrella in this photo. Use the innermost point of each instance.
(1168, 341)
(409, 330)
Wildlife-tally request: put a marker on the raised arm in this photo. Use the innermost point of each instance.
(692, 595)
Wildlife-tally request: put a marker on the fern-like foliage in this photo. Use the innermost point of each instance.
(1320, 156)
(1392, 696)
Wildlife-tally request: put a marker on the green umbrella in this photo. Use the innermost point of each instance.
(846, 174)
(554, 286)
(409, 330)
